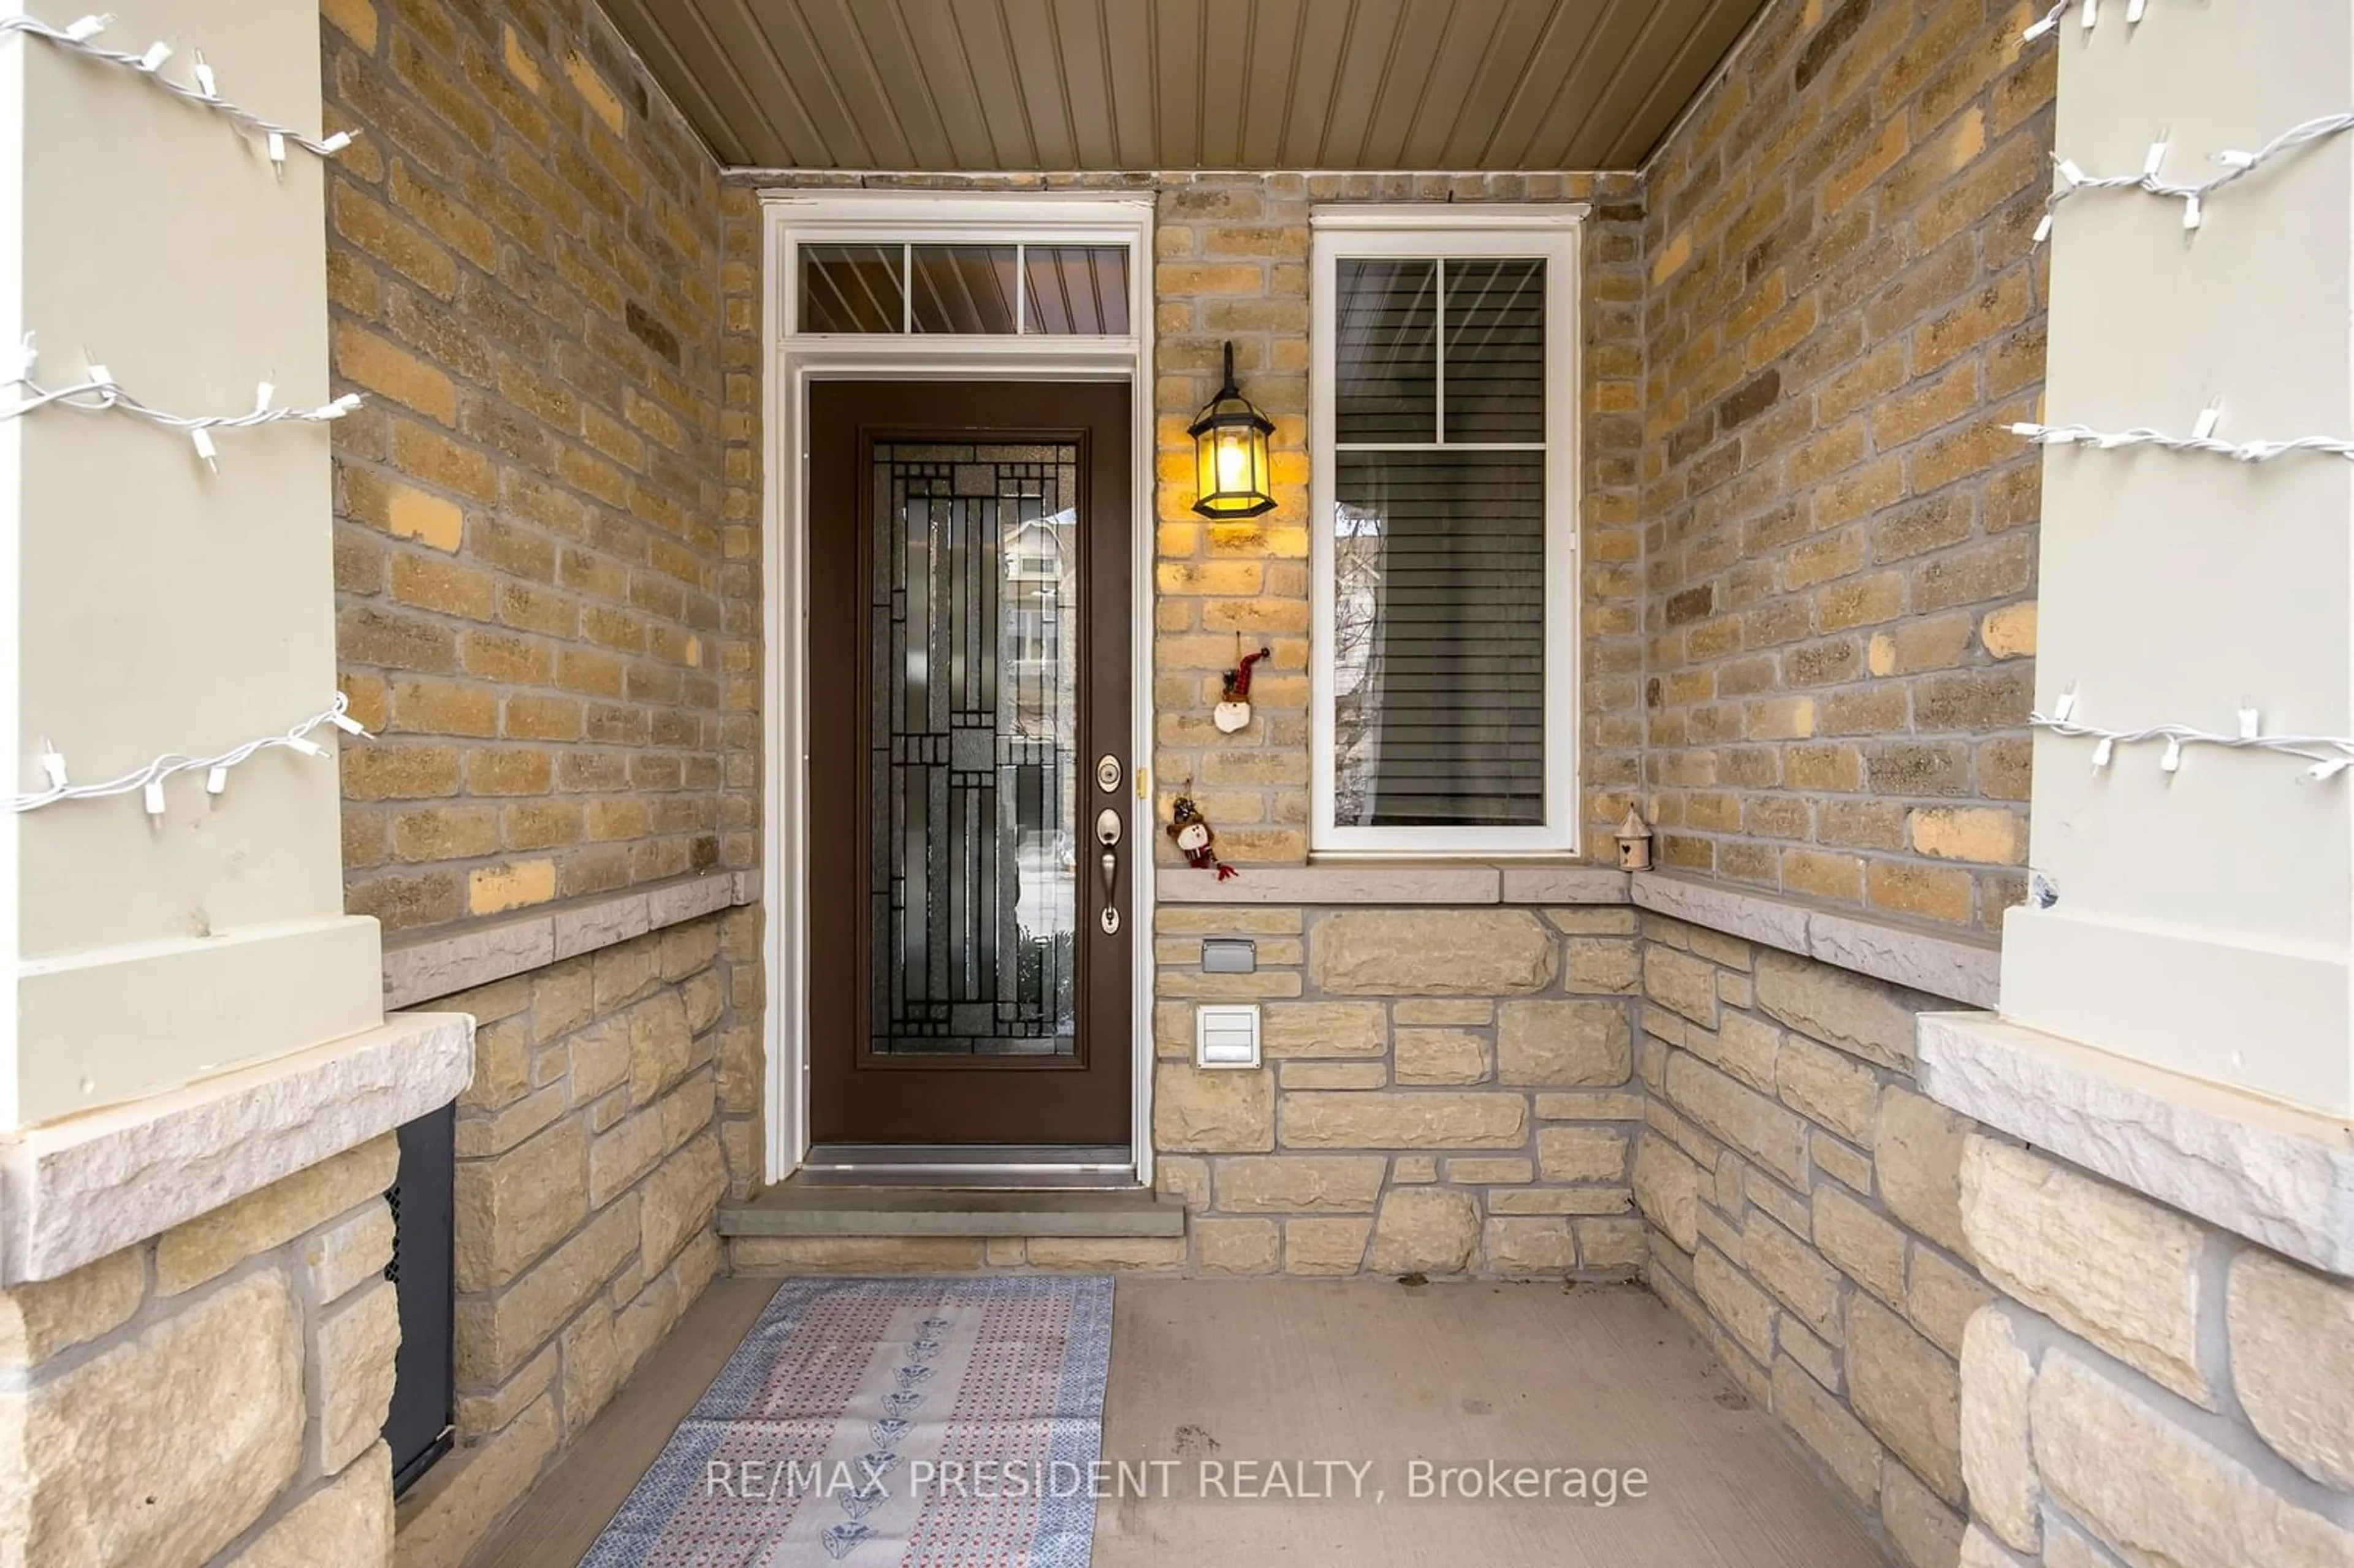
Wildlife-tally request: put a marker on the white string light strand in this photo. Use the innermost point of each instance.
(148, 781)
(2074, 181)
(204, 92)
(2330, 755)
(2091, 16)
(2201, 439)
(99, 393)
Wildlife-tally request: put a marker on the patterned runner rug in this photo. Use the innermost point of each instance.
(932, 1422)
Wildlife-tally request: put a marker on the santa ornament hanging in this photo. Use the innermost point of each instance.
(1193, 837)
(1235, 711)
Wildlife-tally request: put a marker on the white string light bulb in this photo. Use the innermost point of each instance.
(205, 91)
(2237, 165)
(97, 393)
(2330, 755)
(2091, 17)
(148, 782)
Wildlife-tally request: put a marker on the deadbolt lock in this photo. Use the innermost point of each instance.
(1108, 773)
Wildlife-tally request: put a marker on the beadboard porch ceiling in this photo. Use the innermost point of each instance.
(1021, 85)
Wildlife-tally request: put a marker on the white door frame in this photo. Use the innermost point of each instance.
(791, 361)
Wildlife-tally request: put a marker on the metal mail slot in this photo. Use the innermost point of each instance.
(1229, 956)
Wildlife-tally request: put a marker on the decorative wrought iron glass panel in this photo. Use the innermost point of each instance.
(973, 742)
(1060, 290)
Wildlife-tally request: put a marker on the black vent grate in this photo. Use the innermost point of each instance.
(417, 1426)
(392, 1199)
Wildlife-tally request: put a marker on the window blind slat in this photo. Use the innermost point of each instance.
(1385, 353)
(1495, 349)
(1439, 638)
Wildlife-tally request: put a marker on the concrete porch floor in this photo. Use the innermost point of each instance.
(1356, 1370)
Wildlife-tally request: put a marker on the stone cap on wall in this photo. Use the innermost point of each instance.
(1396, 882)
(443, 963)
(2280, 1175)
(72, 1192)
(1964, 968)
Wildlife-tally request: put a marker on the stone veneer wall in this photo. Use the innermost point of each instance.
(1805, 1212)
(214, 1395)
(540, 606)
(2150, 1389)
(590, 1174)
(1448, 1092)
(1842, 308)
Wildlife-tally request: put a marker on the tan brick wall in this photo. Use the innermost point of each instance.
(590, 1167)
(538, 606)
(1232, 266)
(269, 1327)
(1841, 309)
(1805, 1211)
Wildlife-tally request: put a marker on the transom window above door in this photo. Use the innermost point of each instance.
(995, 290)
(1444, 469)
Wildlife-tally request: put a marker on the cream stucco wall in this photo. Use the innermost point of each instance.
(2205, 919)
(159, 607)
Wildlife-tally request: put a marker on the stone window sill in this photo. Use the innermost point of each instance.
(2281, 1176)
(75, 1191)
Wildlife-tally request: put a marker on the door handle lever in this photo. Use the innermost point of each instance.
(1109, 828)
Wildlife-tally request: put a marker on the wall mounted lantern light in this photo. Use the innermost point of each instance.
(1230, 471)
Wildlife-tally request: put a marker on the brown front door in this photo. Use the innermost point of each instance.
(969, 573)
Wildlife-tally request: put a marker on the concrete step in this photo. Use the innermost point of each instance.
(791, 1210)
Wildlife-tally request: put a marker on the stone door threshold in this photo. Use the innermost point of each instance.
(794, 1209)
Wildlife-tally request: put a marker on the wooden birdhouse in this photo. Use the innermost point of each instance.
(1634, 842)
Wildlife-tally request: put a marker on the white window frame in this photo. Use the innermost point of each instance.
(1551, 233)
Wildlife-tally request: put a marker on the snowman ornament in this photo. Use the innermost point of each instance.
(1235, 711)
(1191, 832)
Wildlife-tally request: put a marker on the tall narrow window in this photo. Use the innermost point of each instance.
(1444, 473)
